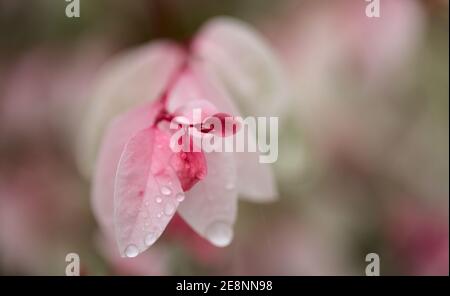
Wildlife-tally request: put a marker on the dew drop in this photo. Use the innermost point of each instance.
(219, 233)
(180, 196)
(158, 199)
(183, 155)
(169, 209)
(166, 190)
(131, 251)
(159, 215)
(150, 239)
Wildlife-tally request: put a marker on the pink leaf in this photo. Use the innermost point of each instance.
(190, 168)
(118, 133)
(147, 191)
(210, 207)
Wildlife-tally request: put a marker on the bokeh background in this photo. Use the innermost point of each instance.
(363, 148)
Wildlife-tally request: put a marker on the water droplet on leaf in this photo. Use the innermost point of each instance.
(219, 233)
(166, 190)
(180, 197)
(150, 239)
(131, 251)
